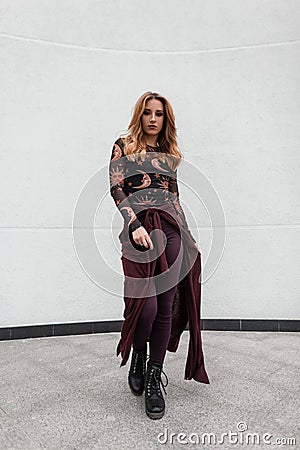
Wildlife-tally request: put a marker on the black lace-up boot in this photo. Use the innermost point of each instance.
(136, 375)
(154, 401)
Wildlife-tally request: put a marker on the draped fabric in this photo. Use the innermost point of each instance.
(187, 302)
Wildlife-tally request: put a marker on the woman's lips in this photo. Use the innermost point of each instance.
(152, 126)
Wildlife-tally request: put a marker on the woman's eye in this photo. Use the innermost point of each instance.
(159, 114)
(146, 113)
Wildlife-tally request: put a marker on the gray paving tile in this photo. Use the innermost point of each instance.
(70, 393)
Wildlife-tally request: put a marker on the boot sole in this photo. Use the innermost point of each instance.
(157, 415)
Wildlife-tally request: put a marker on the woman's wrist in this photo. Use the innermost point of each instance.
(134, 225)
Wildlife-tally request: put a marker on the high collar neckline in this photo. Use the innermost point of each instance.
(152, 146)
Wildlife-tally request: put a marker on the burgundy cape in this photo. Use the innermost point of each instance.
(187, 300)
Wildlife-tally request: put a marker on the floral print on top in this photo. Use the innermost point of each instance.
(134, 189)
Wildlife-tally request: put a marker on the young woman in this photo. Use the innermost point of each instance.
(143, 184)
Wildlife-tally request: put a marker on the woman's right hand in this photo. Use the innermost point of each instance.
(141, 237)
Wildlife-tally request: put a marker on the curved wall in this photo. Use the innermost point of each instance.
(70, 75)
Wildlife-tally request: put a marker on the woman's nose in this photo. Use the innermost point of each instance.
(152, 117)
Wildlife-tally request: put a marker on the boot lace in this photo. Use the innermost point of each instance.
(138, 359)
(155, 381)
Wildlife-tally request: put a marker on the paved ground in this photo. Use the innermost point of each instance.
(70, 393)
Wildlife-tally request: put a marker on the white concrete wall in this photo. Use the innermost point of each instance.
(70, 75)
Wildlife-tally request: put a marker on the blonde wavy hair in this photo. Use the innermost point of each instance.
(133, 139)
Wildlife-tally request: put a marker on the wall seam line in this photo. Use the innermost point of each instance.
(158, 52)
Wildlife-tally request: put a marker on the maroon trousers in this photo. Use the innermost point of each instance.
(155, 320)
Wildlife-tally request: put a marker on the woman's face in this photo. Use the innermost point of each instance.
(153, 118)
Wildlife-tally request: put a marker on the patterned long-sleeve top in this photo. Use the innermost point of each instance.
(138, 185)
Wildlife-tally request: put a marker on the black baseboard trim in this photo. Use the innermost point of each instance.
(66, 329)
